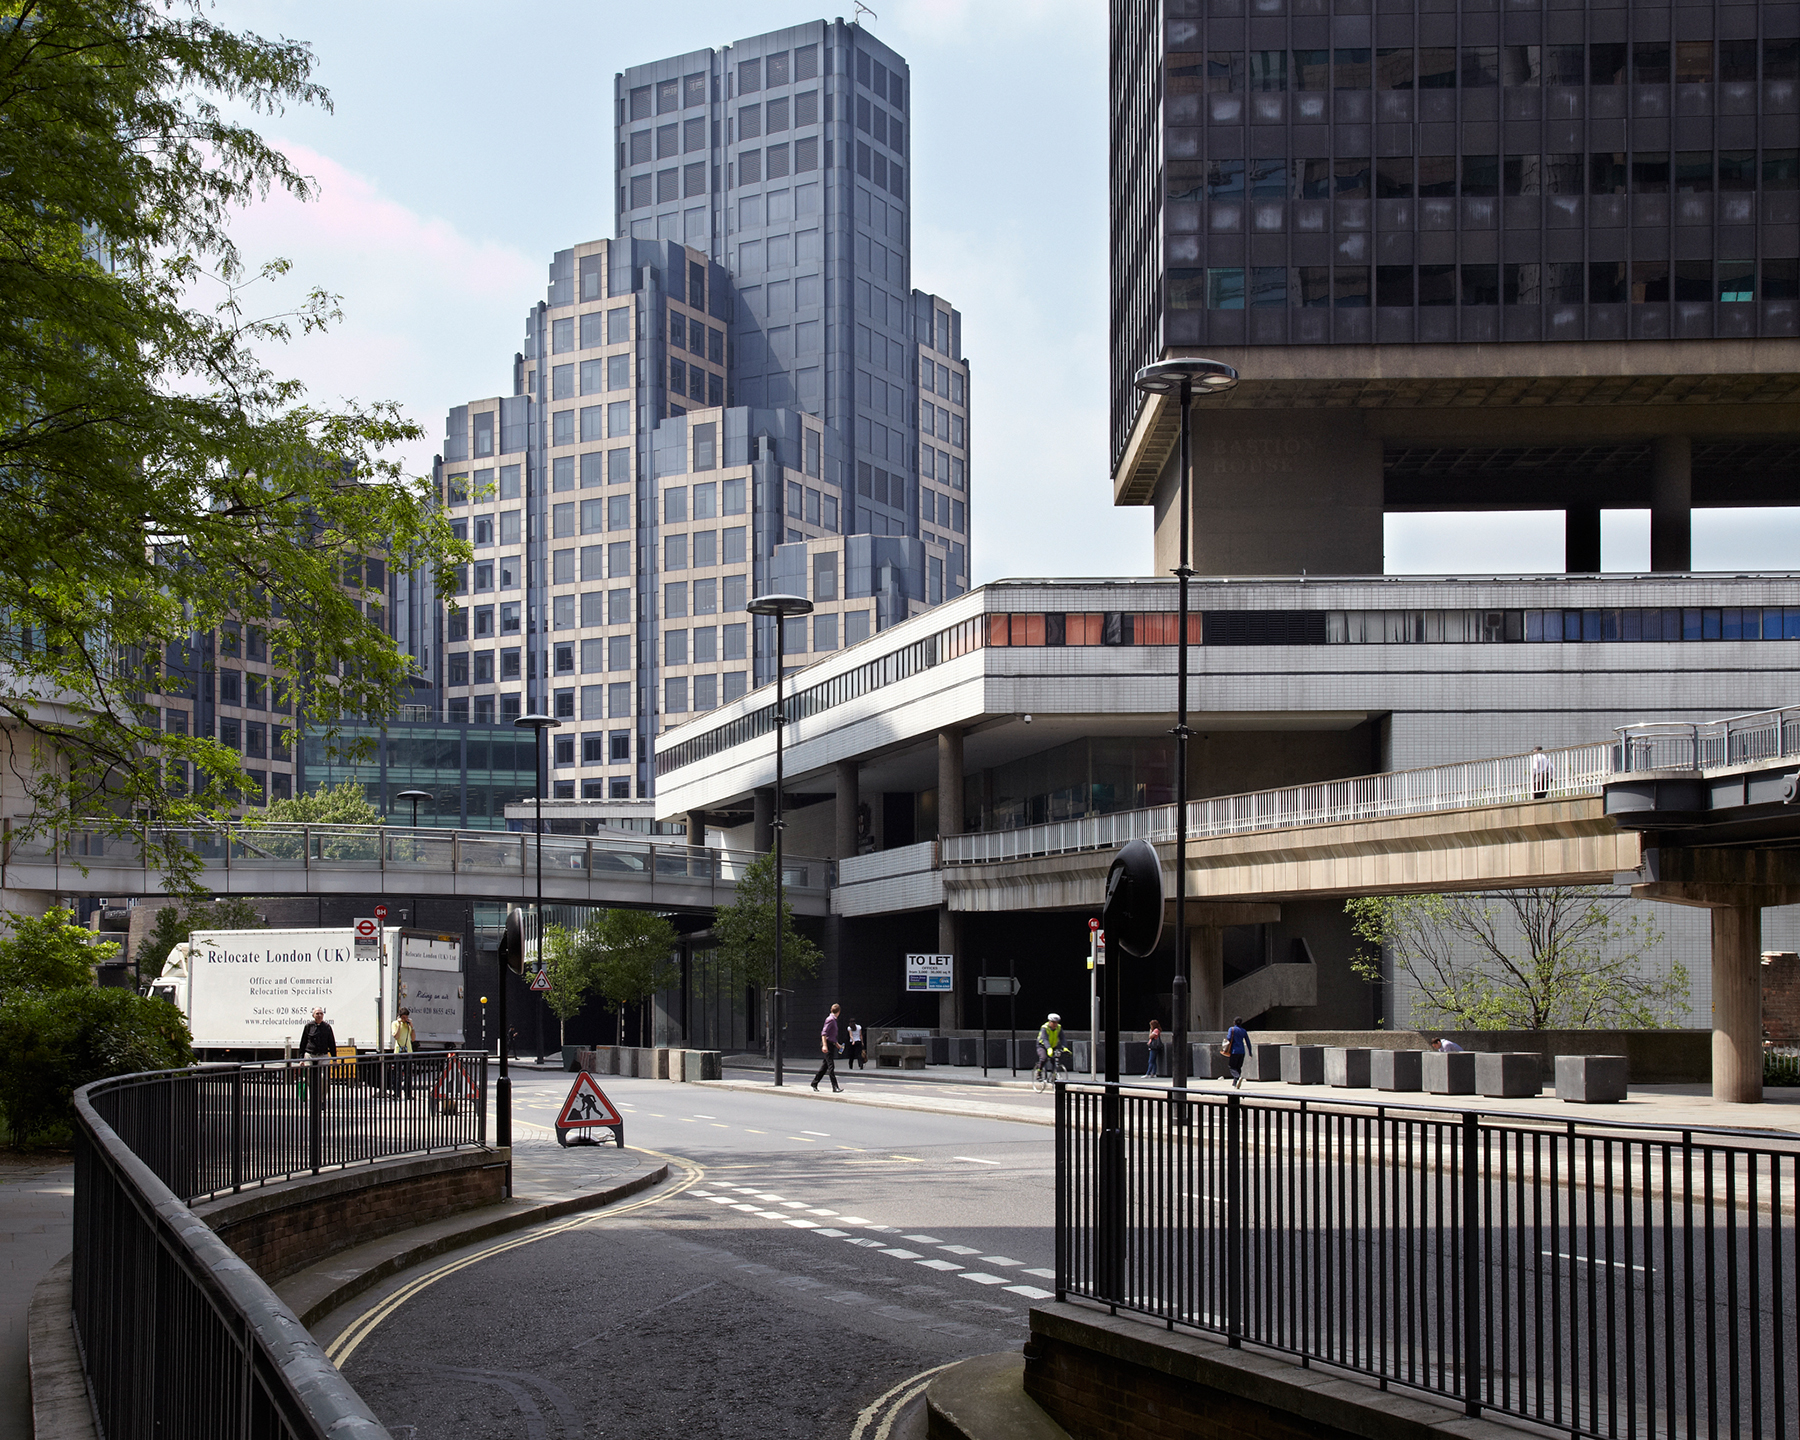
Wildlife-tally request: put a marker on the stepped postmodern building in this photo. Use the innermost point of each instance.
(740, 391)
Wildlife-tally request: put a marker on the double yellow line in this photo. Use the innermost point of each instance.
(358, 1330)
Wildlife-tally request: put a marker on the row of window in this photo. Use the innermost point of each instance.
(886, 83)
(945, 469)
(597, 328)
(936, 379)
(1599, 282)
(669, 140)
(888, 130)
(251, 691)
(1624, 625)
(610, 747)
(936, 420)
(781, 68)
(1407, 177)
(774, 162)
(781, 114)
(257, 740)
(481, 486)
(1471, 67)
(704, 691)
(877, 169)
(935, 509)
(668, 96)
(263, 787)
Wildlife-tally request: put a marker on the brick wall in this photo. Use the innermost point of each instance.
(283, 1228)
(1781, 998)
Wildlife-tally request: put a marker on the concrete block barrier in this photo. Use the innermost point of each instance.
(1395, 1069)
(1264, 1063)
(1206, 1063)
(937, 1050)
(1303, 1064)
(966, 1050)
(1508, 1075)
(1346, 1068)
(1452, 1074)
(1591, 1079)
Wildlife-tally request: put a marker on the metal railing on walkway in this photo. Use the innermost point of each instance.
(1578, 770)
(178, 1336)
(1751, 739)
(1605, 1280)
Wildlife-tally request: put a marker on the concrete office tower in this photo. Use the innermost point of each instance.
(740, 393)
(1474, 257)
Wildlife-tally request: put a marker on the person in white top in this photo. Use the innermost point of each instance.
(1542, 773)
(1445, 1045)
(855, 1053)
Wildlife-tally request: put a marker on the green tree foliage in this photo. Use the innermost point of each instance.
(53, 1043)
(157, 479)
(48, 952)
(570, 956)
(746, 931)
(1560, 958)
(175, 922)
(343, 804)
(632, 960)
(58, 1031)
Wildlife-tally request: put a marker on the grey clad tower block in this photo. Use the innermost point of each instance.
(1465, 257)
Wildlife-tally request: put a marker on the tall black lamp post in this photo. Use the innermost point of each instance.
(781, 608)
(537, 723)
(415, 796)
(1182, 378)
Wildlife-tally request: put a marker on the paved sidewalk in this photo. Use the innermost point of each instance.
(37, 1209)
(963, 1090)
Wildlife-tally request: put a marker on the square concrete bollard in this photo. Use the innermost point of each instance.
(1591, 1079)
(1347, 1068)
(1395, 1069)
(966, 1050)
(1264, 1062)
(937, 1049)
(1206, 1063)
(1452, 1074)
(700, 1065)
(1303, 1064)
(1508, 1075)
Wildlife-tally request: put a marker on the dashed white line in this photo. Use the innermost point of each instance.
(902, 1254)
(923, 1239)
(1042, 1274)
(1001, 1260)
(959, 1249)
(981, 1277)
(939, 1265)
(974, 1159)
(1031, 1292)
(822, 1134)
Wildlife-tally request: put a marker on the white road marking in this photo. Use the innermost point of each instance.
(1042, 1274)
(803, 1224)
(699, 1116)
(835, 1234)
(981, 1277)
(923, 1239)
(959, 1249)
(822, 1134)
(1031, 1292)
(853, 1220)
(974, 1159)
(860, 1240)
(939, 1265)
(794, 1204)
(902, 1254)
(1001, 1260)
(822, 1212)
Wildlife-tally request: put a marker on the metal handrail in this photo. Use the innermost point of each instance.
(1570, 772)
(1604, 1279)
(1759, 735)
(178, 1335)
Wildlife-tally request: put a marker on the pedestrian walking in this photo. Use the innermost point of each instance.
(319, 1042)
(1542, 772)
(1237, 1048)
(828, 1042)
(1153, 1051)
(404, 1037)
(858, 1050)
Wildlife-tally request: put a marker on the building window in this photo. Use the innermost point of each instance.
(675, 694)
(618, 700)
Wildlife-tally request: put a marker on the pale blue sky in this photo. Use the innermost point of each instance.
(469, 142)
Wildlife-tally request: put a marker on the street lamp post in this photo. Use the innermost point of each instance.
(1181, 378)
(415, 796)
(782, 608)
(537, 723)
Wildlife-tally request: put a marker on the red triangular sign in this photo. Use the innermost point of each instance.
(455, 1083)
(587, 1105)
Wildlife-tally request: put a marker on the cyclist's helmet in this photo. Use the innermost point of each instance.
(1055, 1019)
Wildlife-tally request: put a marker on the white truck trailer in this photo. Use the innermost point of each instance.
(256, 989)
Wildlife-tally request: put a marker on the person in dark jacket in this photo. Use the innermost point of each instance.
(1237, 1049)
(318, 1042)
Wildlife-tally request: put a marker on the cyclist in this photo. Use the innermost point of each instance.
(1049, 1038)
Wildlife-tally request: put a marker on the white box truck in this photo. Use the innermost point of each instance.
(256, 989)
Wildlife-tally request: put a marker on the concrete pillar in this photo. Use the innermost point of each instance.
(849, 797)
(950, 782)
(1206, 982)
(762, 819)
(950, 1003)
(1671, 503)
(1581, 539)
(1737, 1003)
(696, 827)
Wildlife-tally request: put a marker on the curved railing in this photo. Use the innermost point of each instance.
(178, 1335)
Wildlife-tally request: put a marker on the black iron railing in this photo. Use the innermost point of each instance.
(1606, 1280)
(178, 1336)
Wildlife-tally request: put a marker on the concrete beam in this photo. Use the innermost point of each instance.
(1222, 913)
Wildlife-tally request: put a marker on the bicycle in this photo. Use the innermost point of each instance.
(1047, 1068)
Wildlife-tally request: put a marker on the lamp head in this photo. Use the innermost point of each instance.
(783, 606)
(1165, 377)
(537, 722)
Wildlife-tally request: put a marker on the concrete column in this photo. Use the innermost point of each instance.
(950, 1005)
(1671, 503)
(1737, 1003)
(1581, 539)
(762, 819)
(849, 797)
(1206, 982)
(950, 782)
(696, 827)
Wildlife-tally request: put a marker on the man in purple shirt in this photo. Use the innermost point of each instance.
(828, 1046)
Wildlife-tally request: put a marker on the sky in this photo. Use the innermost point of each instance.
(465, 145)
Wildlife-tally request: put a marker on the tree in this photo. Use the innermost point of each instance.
(343, 804)
(49, 952)
(156, 478)
(571, 958)
(177, 921)
(632, 960)
(746, 931)
(1557, 958)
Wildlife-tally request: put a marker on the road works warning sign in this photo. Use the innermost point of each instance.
(455, 1083)
(587, 1108)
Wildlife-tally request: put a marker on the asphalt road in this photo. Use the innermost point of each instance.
(808, 1258)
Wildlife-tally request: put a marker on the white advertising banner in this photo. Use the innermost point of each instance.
(430, 952)
(259, 987)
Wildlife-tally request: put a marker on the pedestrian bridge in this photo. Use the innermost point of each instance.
(249, 859)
